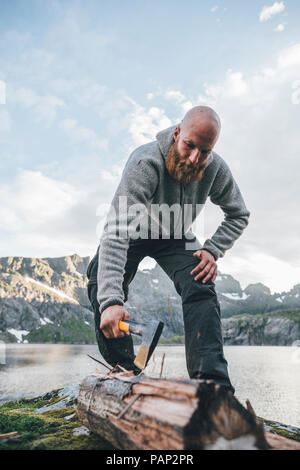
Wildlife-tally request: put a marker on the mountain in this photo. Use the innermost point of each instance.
(45, 300)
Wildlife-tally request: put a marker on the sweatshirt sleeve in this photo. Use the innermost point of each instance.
(137, 187)
(226, 194)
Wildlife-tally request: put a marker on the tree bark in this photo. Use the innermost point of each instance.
(140, 412)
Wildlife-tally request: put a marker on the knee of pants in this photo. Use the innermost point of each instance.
(191, 290)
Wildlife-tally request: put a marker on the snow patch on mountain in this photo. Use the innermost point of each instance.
(45, 320)
(52, 289)
(18, 333)
(235, 296)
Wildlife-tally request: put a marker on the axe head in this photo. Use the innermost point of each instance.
(150, 333)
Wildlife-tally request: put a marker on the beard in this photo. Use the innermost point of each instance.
(181, 169)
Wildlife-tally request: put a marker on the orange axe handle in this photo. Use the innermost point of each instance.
(124, 326)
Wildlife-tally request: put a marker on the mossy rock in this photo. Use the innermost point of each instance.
(290, 432)
(51, 430)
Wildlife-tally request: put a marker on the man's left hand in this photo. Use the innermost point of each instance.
(207, 266)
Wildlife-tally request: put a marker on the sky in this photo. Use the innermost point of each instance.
(83, 83)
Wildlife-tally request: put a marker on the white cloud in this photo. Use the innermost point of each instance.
(36, 214)
(73, 41)
(39, 58)
(5, 120)
(175, 95)
(268, 11)
(234, 87)
(289, 57)
(214, 8)
(44, 216)
(79, 134)
(2, 92)
(15, 37)
(144, 124)
(264, 268)
(259, 140)
(33, 199)
(279, 28)
(178, 98)
(44, 107)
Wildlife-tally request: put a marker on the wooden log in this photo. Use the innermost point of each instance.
(145, 413)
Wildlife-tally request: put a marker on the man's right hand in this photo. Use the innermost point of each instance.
(110, 318)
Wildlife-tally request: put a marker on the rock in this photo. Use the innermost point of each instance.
(81, 431)
(70, 416)
(281, 331)
(267, 329)
(60, 399)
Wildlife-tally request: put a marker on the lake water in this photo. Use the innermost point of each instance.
(269, 376)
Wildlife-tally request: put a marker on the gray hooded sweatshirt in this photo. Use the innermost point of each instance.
(145, 186)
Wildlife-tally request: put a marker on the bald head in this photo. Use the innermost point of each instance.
(204, 118)
(194, 140)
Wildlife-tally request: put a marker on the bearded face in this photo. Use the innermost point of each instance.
(181, 169)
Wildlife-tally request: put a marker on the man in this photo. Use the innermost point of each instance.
(179, 169)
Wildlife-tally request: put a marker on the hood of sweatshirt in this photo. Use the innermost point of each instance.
(165, 139)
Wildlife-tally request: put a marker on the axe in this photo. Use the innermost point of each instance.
(150, 333)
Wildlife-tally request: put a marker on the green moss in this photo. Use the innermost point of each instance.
(290, 314)
(61, 413)
(64, 440)
(23, 403)
(289, 432)
(48, 431)
(28, 426)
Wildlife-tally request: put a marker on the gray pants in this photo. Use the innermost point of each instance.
(201, 309)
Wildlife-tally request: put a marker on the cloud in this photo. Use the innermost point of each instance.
(234, 86)
(79, 135)
(34, 198)
(144, 124)
(44, 216)
(264, 268)
(5, 120)
(178, 98)
(74, 38)
(44, 107)
(279, 28)
(259, 140)
(2, 92)
(17, 38)
(214, 8)
(289, 57)
(85, 92)
(268, 11)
